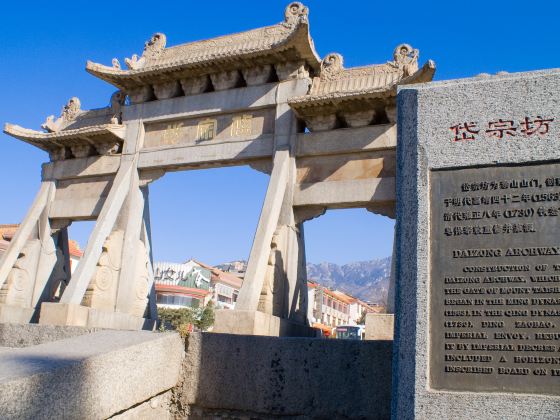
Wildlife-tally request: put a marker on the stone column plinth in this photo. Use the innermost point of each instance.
(258, 323)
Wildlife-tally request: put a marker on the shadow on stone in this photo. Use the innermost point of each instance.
(234, 375)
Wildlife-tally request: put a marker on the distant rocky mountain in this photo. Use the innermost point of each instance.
(367, 280)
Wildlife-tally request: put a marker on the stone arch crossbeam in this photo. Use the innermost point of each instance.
(326, 134)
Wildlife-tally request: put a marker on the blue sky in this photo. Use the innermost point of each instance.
(212, 215)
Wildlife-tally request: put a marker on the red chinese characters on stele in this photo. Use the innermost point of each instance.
(501, 129)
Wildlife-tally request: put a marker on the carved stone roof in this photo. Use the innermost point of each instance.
(76, 131)
(286, 41)
(73, 137)
(336, 84)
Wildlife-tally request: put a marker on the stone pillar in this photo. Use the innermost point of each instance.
(34, 255)
(275, 286)
(133, 289)
(112, 278)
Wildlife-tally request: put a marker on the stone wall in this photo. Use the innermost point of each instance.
(139, 374)
(230, 376)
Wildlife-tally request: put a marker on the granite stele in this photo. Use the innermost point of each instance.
(478, 249)
(263, 98)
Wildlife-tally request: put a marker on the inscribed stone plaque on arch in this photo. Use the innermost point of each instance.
(204, 130)
(495, 279)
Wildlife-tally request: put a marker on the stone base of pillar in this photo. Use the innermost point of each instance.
(379, 326)
(15, 314)
(83, 316)
(258, 323)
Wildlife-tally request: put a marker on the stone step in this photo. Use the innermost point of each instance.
(94, 375)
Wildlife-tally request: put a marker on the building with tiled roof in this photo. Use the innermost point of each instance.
(194, 284)
(225, 287)
(8, 231)
(332, 308)
(75, 254)
(181, 285)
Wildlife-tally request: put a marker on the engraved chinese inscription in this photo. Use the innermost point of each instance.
(194, 131)
(242, 125)
(172, 134)
(495, 279)
(206, 129)
(501, 129)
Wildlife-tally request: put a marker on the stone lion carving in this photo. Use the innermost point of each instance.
(68, 114)
(141, 284)
(405, 58)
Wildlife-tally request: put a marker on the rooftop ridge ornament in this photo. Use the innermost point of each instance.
(331, 65)
(68, 114)
(405, 58)
(152, 50)
(157, 72)
(295, 14)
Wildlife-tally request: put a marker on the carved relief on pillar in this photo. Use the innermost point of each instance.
(195, 85)
(102, 290)
(272, 299)
(141, 284)
(265, 299)
(167, 89)
(18, 288)
(257, 75)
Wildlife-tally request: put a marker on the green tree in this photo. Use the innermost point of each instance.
(182, 319)
(176, 317)
(362, 318)
(206, 318)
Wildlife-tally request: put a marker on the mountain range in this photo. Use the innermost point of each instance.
(366, 280)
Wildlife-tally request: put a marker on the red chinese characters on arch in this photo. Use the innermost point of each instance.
(501, 129)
